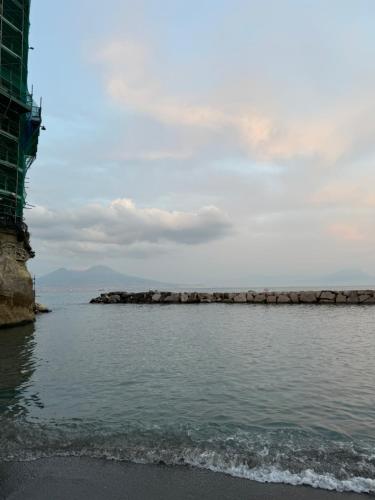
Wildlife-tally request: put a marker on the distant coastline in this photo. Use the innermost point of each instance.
(103, 278)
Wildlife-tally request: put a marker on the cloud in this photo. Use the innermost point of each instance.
(345, 193)
(121, 224)
(135, 81)
(230, 108)
(131, 83)
(155, 155)
(346, 232)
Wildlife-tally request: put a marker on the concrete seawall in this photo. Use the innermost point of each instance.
(251, 297)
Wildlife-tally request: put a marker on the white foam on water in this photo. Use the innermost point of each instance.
(31, 443)
(212, 462)
(305, 478)
(273, 474)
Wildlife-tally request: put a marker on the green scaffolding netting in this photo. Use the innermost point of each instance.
(20, 118)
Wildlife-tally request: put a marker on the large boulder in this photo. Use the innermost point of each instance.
(114, 299)
(341, 298)
(308, 297)
(260, 298)
(370, 300)
(283, 298)
(364, 298)
(250, 297)
(294, 297)
(240, 298)
(173, 298)
(41, 309)
(353, 297)
(327, 296)
(156, 297)
(205, 298)
(193, 298)
(271, 298)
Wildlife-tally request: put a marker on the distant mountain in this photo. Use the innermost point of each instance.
(95, 278)
(103, 277)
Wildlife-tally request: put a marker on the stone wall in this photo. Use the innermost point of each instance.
(16, 286)
(251, 297)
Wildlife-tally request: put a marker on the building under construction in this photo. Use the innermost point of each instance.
(20, 122)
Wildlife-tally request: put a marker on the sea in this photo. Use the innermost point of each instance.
(281, 394)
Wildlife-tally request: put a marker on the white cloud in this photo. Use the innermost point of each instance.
(271, 128)
(264, 132)
(346, 232)
(356, 193)
(122, 224)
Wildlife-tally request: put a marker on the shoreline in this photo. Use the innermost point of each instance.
(97, 479)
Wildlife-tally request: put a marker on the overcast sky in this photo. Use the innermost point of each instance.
(204, 141)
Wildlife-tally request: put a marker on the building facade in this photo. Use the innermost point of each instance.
(20, 118)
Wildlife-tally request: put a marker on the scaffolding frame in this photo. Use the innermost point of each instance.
(20, 117)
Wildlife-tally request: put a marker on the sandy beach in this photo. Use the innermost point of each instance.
(91, 479)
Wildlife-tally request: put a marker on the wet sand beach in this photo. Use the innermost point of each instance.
(94, 479)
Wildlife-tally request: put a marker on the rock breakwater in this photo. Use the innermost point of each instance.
(360, 297)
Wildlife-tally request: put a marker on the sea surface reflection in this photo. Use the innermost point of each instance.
(282, 394)
(17, 365)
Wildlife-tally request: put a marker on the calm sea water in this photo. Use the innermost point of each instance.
(282, 394)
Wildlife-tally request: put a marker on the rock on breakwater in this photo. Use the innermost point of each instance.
(334, 297)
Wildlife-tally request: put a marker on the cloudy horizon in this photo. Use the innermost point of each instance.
(204, 142)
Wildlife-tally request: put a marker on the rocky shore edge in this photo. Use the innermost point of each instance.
(41, 309)
(362, 297)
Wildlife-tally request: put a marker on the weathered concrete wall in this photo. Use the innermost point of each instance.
(16, 287)
(308, 297)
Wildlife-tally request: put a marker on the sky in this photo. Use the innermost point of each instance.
(204, 141)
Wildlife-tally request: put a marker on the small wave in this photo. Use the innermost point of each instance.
(262, 475)
(343, 467)
(304, 478)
